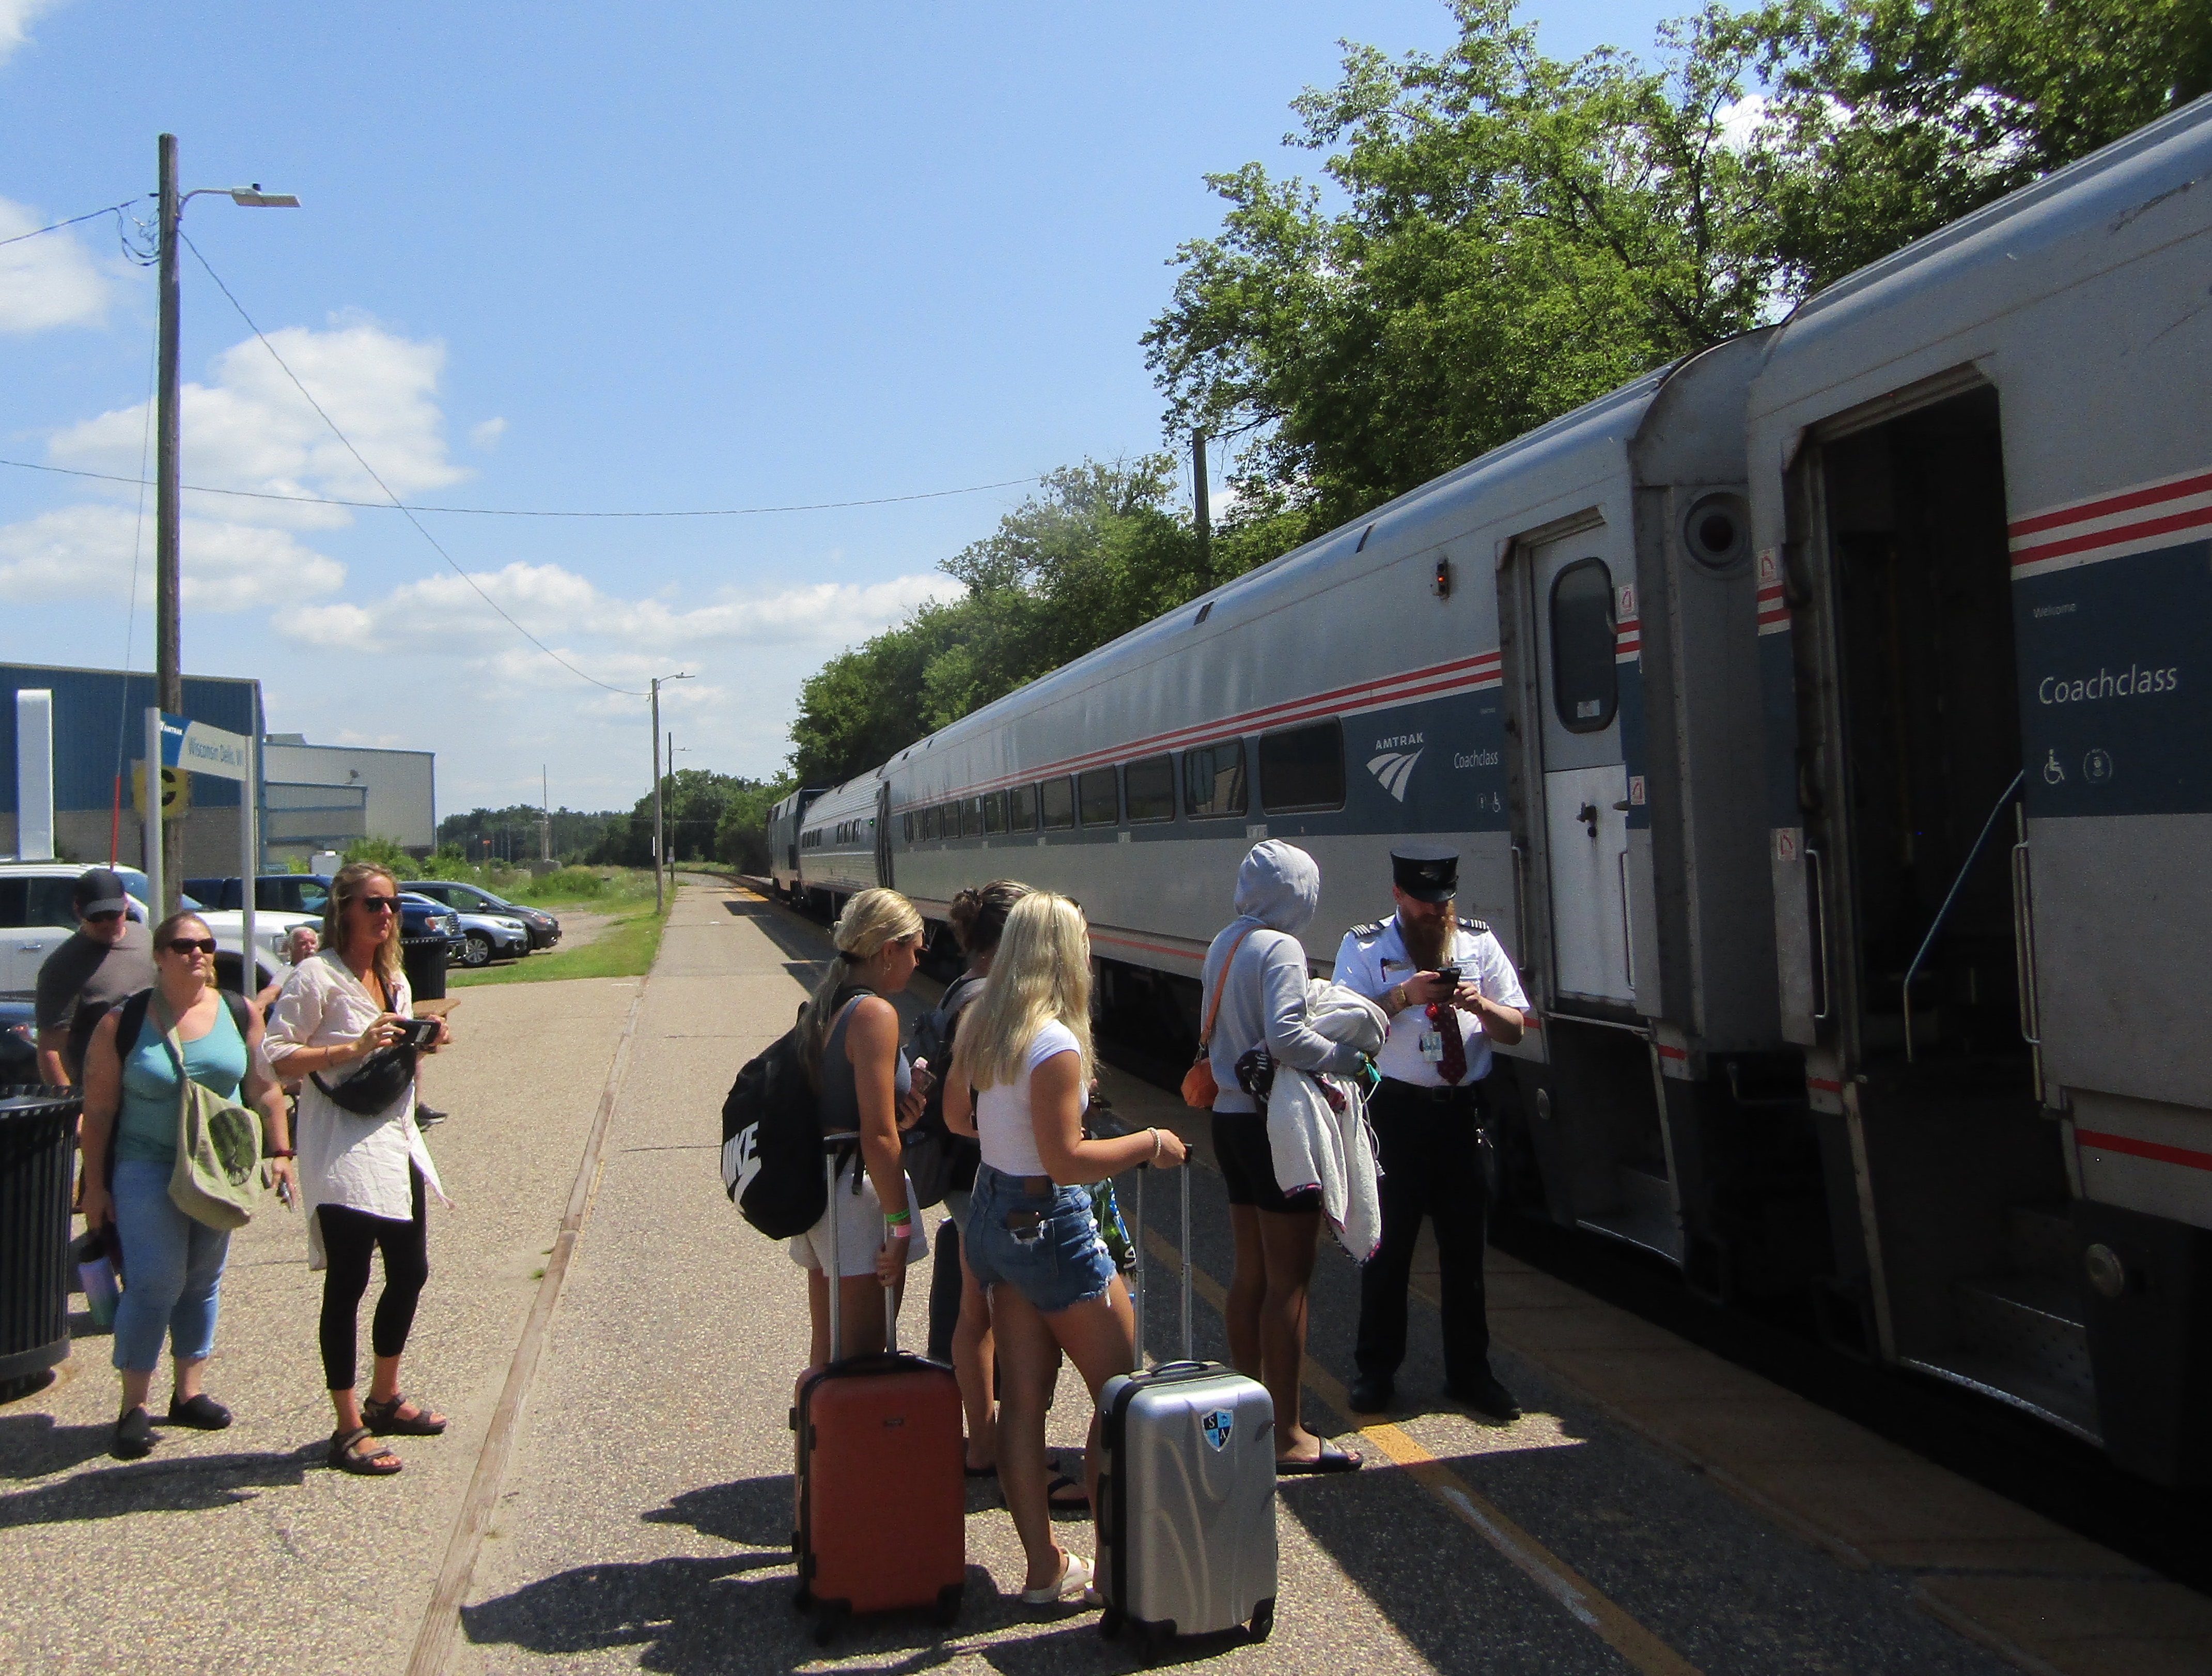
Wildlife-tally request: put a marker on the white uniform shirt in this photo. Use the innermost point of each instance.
(1372, 961)
(357, 1162)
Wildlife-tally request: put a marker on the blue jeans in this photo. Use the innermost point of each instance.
(1055, 1258)
(171, 1272)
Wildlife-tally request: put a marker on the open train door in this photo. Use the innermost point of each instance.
(882, 824)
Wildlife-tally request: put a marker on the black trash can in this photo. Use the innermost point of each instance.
(38, 1168)
(424, 959)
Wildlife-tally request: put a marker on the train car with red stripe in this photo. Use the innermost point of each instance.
(1547, 658)
(1981, 476)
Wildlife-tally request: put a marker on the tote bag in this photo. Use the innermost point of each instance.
(216, 1181)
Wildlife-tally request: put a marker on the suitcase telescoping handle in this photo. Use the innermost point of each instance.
(830, 1145)
(1189, 1335)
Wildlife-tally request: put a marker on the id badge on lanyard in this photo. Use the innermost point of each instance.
(1431, 1044)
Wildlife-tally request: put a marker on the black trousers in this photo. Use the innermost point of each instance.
(348, 1237)
(1432, 1167)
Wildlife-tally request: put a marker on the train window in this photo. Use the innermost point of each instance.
(994, 813)
(1148, 784)
(1301, 768)
(1213, 779)
(1056, 798)
(948, 820)
(971, 817)
(1099, 796)
(1020, 809)
(906, 822)
(1585, 688)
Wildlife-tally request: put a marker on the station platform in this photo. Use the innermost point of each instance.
(616, 1348)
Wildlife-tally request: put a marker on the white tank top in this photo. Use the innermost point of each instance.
(1002, 1112)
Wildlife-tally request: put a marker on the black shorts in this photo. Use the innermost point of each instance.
(1247, 1166)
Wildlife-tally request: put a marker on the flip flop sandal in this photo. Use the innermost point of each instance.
(380, 1463)
(1332, 1460)
(1081, 1502)
(385, 1420)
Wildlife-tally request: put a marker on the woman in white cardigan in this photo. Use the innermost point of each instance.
(364, 1177)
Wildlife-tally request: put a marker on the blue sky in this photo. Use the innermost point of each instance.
(557, 256)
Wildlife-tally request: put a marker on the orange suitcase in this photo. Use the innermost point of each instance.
(883, 1502)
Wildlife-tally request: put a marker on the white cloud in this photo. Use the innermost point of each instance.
(50, 281)
(485, 434)
(252, 429)
(622, 640)
(86, 551)
(16, 17)
(1739, 122)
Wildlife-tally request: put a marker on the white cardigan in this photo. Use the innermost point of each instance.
(360, 1162)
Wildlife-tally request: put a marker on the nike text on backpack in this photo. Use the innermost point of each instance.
(1187, 1490)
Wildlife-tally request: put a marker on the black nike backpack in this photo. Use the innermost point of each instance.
(772, 1142)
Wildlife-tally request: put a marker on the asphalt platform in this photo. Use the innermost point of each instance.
(617, 1350)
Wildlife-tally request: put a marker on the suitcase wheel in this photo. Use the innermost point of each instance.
(948, 1600)
(1152, 1641)
(1263, 1619)
(829, 1617)
(1109, 1622)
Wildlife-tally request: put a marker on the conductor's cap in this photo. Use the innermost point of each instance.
(1426, 873)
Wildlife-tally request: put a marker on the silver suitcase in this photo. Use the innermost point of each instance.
(1186, 1490)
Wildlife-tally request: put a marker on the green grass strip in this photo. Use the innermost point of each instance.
(624, 950)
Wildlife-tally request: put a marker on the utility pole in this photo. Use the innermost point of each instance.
(1202, 503)
(544, 815)
(658, 902)
(168, 615)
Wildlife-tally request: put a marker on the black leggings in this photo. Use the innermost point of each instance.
(348, 1236)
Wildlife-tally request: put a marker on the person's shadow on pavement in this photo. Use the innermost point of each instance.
(182, 1484)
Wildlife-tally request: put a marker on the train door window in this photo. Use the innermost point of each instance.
(971, 817)
(1100, 797)
(994, 813)
(1056, 798)
(906, 824)
(1020, 809)
(1301, 768)
(1149, 786)
(1585, 688)
(948, 820)
(1213, 779)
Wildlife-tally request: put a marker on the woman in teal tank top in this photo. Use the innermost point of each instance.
(171, 1265)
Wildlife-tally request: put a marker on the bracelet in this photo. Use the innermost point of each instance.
(900, 1230)
(280, 1152)
(905, 1215)
(1158, 1143)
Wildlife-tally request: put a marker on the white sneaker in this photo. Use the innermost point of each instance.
(1075, 1580)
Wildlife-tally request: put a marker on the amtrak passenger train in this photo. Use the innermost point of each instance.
(1823, 723)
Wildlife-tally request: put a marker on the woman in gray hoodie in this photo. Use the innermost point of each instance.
(1257, 968)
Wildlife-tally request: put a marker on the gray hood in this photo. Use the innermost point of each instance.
(1279, 885)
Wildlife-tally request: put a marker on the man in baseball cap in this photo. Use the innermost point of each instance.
(110, 957)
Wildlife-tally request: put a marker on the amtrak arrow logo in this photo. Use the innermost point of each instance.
(1393, 768)
(1216, 1427)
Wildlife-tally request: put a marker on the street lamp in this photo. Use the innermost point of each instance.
(165, 861)
(659, 847)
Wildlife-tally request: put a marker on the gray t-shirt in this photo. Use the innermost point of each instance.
(85, 972)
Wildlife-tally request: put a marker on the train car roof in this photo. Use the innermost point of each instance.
(857, 796)
(1982, 264)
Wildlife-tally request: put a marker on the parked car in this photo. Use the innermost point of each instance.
(420, 918)
(492, 937)
(544, 930)
(36, 918)
(19, 1043)
(306, 895)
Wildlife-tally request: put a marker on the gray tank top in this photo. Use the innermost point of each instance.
(841, 1099)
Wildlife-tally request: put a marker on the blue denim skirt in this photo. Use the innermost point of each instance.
(1053, 1256)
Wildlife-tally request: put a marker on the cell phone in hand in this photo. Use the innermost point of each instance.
(417, 1033)
(1450, 976)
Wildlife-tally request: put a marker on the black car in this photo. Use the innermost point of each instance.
(544, 930)
(19, 1046)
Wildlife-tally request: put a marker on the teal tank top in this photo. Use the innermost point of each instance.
(146, 1128)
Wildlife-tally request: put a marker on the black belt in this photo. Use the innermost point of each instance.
(1463, 1095)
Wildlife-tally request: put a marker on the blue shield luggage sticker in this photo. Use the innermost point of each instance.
(1216, 1427)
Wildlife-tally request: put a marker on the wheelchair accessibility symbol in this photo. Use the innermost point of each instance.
(1216, 1427)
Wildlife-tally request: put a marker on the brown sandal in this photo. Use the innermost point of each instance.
(385, 1420)
(380, 1463)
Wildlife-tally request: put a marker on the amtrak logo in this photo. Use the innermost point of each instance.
(1216, 1427)
(1393, 768)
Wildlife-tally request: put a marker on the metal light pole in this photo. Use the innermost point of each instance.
(660, 846)
(168, 513)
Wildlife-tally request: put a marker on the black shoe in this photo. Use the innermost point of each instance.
(425, 1116)
(1485, 1396)
(202, 1414)
(134, 1436)
(1370, 1394)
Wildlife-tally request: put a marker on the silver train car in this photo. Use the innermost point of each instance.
(785, 819)
(1982, 494)
(1814, 719)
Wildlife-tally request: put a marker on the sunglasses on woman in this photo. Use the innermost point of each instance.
(379, 904)
(184, 945)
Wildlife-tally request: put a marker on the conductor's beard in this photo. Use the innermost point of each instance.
(1426, 939)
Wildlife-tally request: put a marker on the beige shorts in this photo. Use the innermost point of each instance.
(860, 1228)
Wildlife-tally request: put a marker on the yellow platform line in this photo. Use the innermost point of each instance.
(1567, 1586)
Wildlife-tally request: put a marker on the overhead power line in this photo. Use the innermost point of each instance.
(525, 511)
(89, 215)
(359, 459)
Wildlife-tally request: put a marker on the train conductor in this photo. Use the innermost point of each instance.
(1449, 992)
